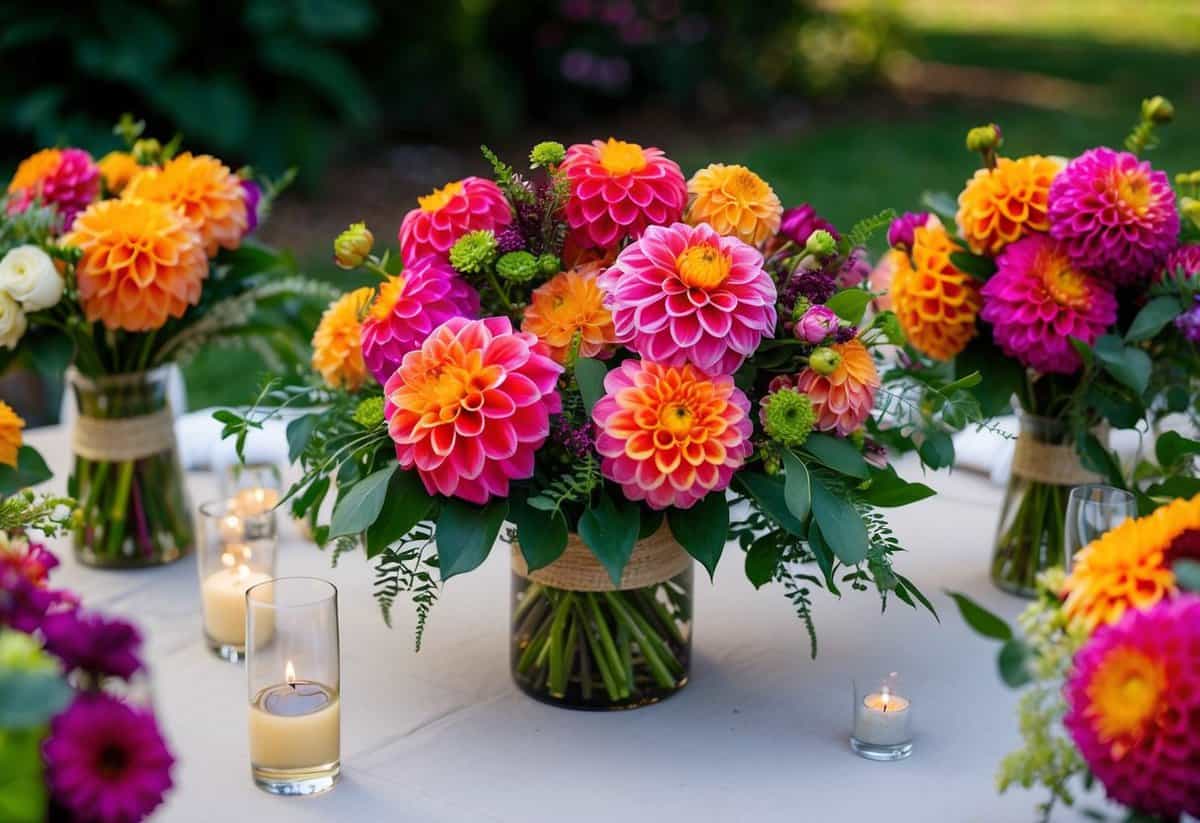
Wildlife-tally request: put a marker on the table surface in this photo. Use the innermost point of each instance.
(759, 733)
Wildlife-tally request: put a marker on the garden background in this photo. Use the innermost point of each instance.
(851, 105)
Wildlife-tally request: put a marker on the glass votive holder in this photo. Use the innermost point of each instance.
(294, 685)
(882, 719)
(253, 487)
(235, 551)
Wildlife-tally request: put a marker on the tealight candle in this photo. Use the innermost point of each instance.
(255, 501)
(882, 723)
(235, 552)
(295, 725)
(223, 595)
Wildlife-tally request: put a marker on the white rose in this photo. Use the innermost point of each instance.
(28, 274)
(12, 322)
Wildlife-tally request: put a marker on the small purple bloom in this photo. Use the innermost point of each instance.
(900, 233)
(817, 324)
(798, 222)
(815, 286)
(252, 194)
(1188, 323)
(845, 334)
(94, 644)
(855, 269)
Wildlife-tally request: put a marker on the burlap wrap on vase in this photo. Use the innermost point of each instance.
(1054, 464)
(655, 558)
(117, 440)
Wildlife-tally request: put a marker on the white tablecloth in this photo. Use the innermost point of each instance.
(758, 734)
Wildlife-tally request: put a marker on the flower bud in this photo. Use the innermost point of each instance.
(820, 244)
(549, 265)
(824, 360)
(548, 153)
(352, 247)
(1158, 110)
(517, 266)
(816, 325)
(474, 252)
(147, 152)
(984, 138)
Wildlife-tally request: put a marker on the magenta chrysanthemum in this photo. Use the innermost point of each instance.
(67, 179)
(799, 222)
(1185, 260)
(617, 189)
(1115, 215)
(1038, 299)
(408, 307)
(1133, 708)
(446, 214)
(106, 761)
(471, 406)
(685, 294)
(670, 435)
(100, 646)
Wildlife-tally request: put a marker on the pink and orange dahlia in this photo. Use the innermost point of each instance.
(736, 202)
(1115, 214)
(1133, 708)
(1003, 204)
(337, 342)
(571, 303)
(1038, 299)
(843, 400)
(202, 189)
(469, 409)
(408, 307)
(67, 179)
(446, 214)
(670, 435)
(617, 189)
(684, 294)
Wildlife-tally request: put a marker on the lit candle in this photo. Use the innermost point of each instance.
(224, 597)
(249, 502)
(883, 719)
(295, 725)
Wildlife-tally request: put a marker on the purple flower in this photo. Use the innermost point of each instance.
(855, 269)
(94, 644)
(900, 233)
(817, 324)
(814, 286)
(24, 597)
(252, 194)
(800, 221)
(510, 239)
(1188, 323)
(107, 761)
(845, 334)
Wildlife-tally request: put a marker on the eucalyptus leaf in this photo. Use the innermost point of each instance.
(762, 559)
(839, 455)
(937, 449)
(980, 619)
(299, 432)
(840, 523)
(824, 557)
(361, 504)
(850, 304)
(703, 529)
(1013, 663)
(590, 375)
(797, 489)
(768, 493)
(888, 489)
(1152, 318)
(541, 535)
(610, 529)
(940, 203)
(406, 503)
(1187, 575)
(1128, 365)
(1172, 447)
(466, 533)
(978, 266)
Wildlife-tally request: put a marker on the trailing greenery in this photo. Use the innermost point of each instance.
(407, 566)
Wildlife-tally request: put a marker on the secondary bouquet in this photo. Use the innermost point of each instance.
(1071, 285)
(1109, 657)
(629, 368)
(135, 262)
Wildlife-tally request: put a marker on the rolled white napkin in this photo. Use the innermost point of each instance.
(201, 446)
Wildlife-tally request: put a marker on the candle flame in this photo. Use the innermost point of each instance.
(290, 674)
(884, 697)
(243, 572)
(227, 560)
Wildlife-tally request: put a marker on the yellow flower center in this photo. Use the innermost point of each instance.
(746, 186)
(448, 387)
(389, 293)
(702, 267)
(677, 419)
(1125, 693)
(1068, 286)
(1134, 192)
(438, 198)
(620, 158)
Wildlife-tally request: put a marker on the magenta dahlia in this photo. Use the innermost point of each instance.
(617, 189)
(67, 179)
(446, 214)
(1038, 298)
(1114, 214)
(1184, 259)
(685, 294)
(900, 232)
(799, 222)
(1133, 708)
(107, 761)
(100, 646)
(408, 307)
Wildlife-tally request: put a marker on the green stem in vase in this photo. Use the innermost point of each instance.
(647, 640)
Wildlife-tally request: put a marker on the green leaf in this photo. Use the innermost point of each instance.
(466, 533)
(840, 523)
(30, 698)
(839, 455)
(768, 493)
(762, 559)
(590, 375)
(797, 491)
(1085, 352)
(1095, 457)
(360, 506)
(850, 304)
(1116, 404)
(888, 490)
(1174, 487)
(1152, 318)
(299, 431)
(1187, 575)
(980, 619)
(824, 557)
(1128, 365)
(31, 469)
(1013, 663)
(702, 529)
(978, 266)
(1000, 376)
(1172, 447)
(651, 522)
(406, 503)
(940, 203)
(610, 529)
(22, 783)
(541, 535)
(937, 449)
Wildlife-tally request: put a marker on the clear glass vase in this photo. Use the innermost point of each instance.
(127, 476)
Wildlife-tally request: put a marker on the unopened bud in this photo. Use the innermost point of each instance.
(824, 360)
(351, 248)
(1158, 110)
(984, 138)
(820, 244)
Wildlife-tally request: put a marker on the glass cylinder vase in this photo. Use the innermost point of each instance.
(579, 642)
(127, 476)
(1031, 533)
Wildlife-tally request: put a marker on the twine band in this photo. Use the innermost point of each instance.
(655, 559)
(124, 438)
(1050, 463)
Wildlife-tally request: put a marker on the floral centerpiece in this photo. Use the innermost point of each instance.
(616, 370)
(1071, 285)
(137, 261)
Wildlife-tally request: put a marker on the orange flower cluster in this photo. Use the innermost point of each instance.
(1001, 205)
(204, 190)
(935, 302)
(337, 342)
(571, 303)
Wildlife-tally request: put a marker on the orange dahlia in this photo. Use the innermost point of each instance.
(204, 190)
(117, 168)
(1130, 566)
(843, 399)
(337, 342)
(934, 301)
(1003, 204)
(734, 201)
(10, 435)
(567, 304)
(142, 263)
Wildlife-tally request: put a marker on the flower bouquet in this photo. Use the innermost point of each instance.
(1069, 284)
(136, 261)
(1109, 656)
(615, 370)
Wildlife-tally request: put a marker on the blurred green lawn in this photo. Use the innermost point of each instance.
(877, 152)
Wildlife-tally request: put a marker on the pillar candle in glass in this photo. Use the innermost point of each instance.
(882, 719)
(253, 487)
(294, 685)
(235, 552)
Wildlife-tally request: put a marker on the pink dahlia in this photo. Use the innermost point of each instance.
(1185, 260)
(100, 646)
(1133, 708)
(1115, 215)
(670, 435)
(67, 179)
(617, 189)
(446, 214)
(408, 307)
(1038, 298)
(106, 761)
(685, 294)
(471, 406)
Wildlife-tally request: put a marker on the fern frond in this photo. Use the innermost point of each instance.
(576, 486)
(506, 178)
(404, 567)
(861, 231)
